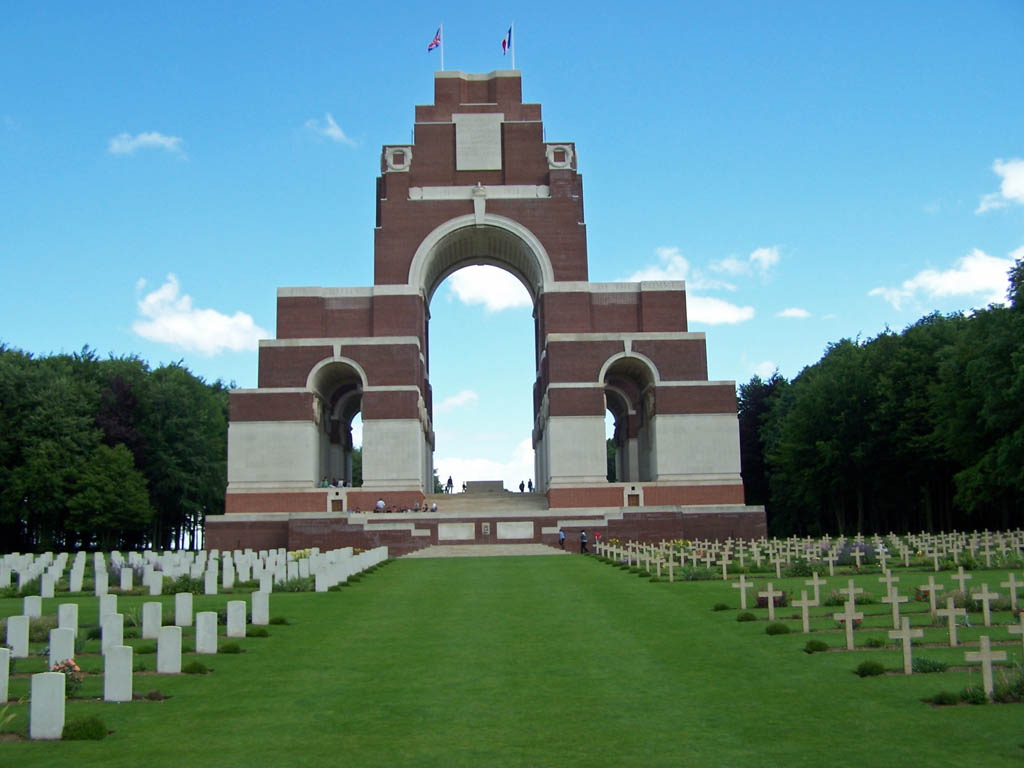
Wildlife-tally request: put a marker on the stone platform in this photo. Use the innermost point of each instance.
(466, 519)
(487, 550)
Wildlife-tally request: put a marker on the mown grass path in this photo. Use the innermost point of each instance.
(532, 662)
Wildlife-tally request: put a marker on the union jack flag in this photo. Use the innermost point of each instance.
(436, 41)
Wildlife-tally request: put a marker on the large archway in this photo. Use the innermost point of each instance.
(495, 361)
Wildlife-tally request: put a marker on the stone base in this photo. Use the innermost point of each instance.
(403, 533)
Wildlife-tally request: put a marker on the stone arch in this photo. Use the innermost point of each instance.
(471, 240)
(337, 383)
(629, 381)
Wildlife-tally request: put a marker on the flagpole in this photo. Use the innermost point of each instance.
(441, 27)
(513, 27)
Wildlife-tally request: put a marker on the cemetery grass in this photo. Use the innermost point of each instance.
(554, 661)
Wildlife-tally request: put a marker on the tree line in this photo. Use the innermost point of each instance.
(107, 453)
(919, 430)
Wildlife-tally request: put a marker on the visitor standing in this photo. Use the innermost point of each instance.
(449, 485)
(583, 542)
(561, 538)
(529, 485)
(522, 486)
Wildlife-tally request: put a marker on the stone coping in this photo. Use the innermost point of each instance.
(573, 515)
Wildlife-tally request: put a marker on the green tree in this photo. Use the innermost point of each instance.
(110, 505)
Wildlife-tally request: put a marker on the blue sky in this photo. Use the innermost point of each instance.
(813, 170)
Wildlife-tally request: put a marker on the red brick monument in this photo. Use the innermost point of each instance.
(480, 185)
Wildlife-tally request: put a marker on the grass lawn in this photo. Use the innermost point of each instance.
(535, 661)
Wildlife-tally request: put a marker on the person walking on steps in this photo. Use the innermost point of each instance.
(561, 538)
(583, 542)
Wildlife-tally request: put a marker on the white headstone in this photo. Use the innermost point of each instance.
(17, 636)
(152, 618)
(260, 608)
(5, 673)
(46, 713)
(168, 651)
(127, 579)
(67, 616)
(108, 605)
(62, 645)
(100, 587)
(75, 581)
(183, 609)
(46, 583)
(156, 583)
(266, 582)
(236, 618)
(210, 581)
(112, 628)
(206, 632)
(117, 674)
(32, 606)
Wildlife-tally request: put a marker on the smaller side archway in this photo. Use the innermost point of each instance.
(337, 385)
(629, 386)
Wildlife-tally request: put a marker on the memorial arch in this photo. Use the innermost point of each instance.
(480, 184)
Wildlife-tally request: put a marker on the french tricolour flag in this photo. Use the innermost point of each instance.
(506, 42)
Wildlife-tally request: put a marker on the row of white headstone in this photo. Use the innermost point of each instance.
(46, 714)
(216, 569)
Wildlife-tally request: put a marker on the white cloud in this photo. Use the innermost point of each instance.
(329, 130)
(765, 258)
(1011, 189)
(126, 144)
(517, 468)
(466, 398)
(765, 369)
(712, 311)
(700, 309)
(495, 288)
(171, 319)
(973, 275)
(760, 260)
(674, 266)
(794, 312)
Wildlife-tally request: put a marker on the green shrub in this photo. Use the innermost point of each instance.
(93, 633)
(974, 694)
(154, 696)
(644, 574)
(300, 584)
(746, 616)
(185, 584)
(720, 607)
(874, 642)
(815, 646)
(39, 628)
(944, 699)
(279, 620)
(131, 633)
(776, 628)
(230, 647)
(697, 573)
(798, 568)
(140, 666)
(251, 631)
(89, 728)
(924, 666)
(195, 668)
(870, 669)
(655, 578)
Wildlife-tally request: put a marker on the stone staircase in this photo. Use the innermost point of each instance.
(501, 504)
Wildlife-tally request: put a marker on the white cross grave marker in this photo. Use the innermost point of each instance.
(950, 612)
(986, 656)
(906, 634)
